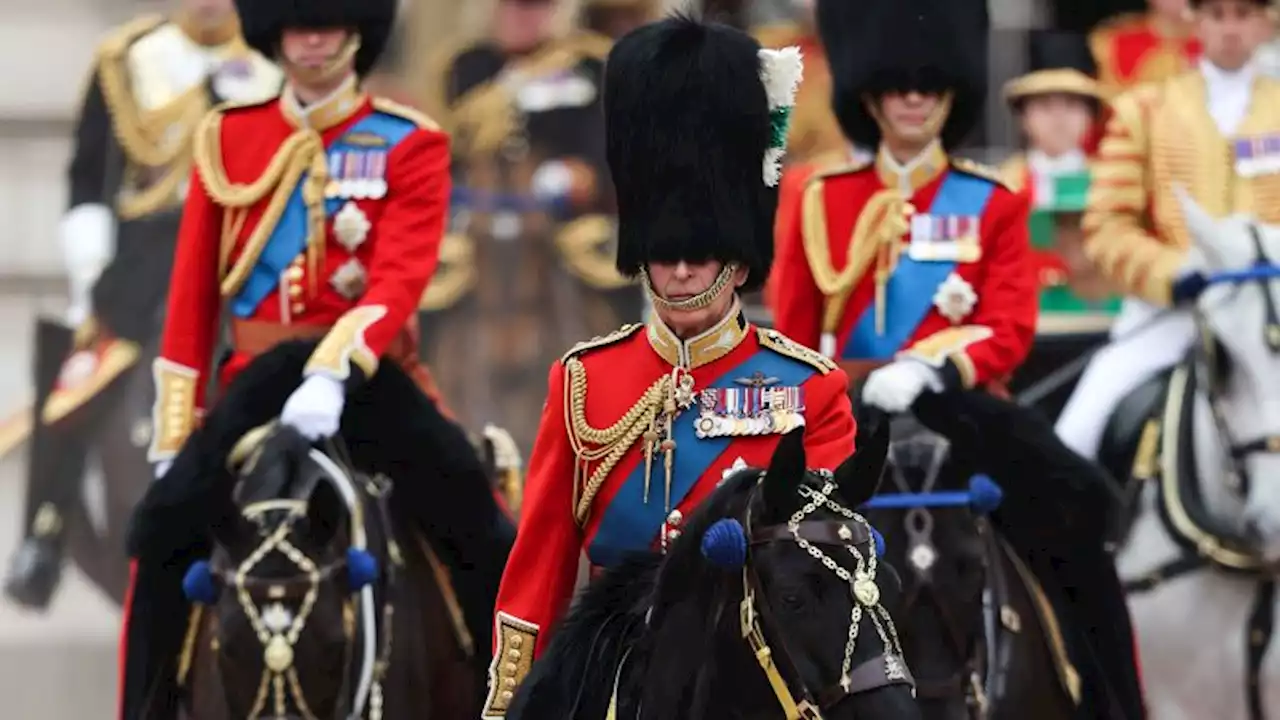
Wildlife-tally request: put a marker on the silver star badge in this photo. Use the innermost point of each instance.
(351, 226)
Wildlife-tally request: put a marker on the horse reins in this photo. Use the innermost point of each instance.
(888, 668)
(1237, 479)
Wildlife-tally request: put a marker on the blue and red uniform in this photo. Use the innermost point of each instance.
(948, 241)
(574, 504)
(321, 223)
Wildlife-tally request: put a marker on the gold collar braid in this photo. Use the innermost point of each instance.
(302, 153)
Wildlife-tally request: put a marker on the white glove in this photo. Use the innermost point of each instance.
(315, 408)
(162, 468)
(894, 387)
(87, 238)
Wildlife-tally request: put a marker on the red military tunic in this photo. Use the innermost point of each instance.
(324, 222)
(579, 497)
(932, 262)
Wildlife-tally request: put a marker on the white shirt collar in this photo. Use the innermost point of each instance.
(1069, 162)
(1228, 93)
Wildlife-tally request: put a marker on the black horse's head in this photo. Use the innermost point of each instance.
(774, 597)
(933, 516)
(285, 581)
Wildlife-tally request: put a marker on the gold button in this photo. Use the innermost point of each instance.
(515, 641)
(294, 272)
(509, 669)
(297, 308)
(675, 518)
(507, 696)
(513, 655)
(295, 291)
(509, 683)
(673, 535)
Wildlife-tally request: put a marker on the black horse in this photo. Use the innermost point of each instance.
(1012, 608)
(768, 606)
(363, 574)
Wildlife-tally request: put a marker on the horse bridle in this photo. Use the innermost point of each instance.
(1237, 478)
(967, 682)
(278, 630)
(797, 700)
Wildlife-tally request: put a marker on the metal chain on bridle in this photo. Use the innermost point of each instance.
(862, 581)
(278, 629)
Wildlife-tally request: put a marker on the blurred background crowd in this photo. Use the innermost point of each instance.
(527, 266)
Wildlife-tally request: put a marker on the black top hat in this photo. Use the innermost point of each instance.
(879, 46)
(264, 21)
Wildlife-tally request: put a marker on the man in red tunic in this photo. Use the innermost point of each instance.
(641, 425)
(912, 269)
(317, 214)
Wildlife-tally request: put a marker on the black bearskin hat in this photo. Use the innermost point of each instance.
(263, 21)
(687, 127)
(879, 46)
(1061, 62)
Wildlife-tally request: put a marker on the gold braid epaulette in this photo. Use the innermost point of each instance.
(621, 333)
(784, 345)
(145, 141)
(400, 110)
(302, 152)
(611, 443)
(986, 172)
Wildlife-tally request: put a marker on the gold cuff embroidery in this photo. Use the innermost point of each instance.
(964, 364)
(345, 345)
(511, 663)
(936, 349)
(174, 414)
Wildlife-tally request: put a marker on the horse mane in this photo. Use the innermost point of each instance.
(575, 675)
(384, 425)
(691, 598)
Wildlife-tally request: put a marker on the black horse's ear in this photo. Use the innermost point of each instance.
(324, 514)
(858, 477)
(786, 470)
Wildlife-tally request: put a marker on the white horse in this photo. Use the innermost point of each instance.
(1216, 492)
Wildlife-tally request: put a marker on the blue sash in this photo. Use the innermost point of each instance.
(909, 293)
(289, 237)
(629, 524)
